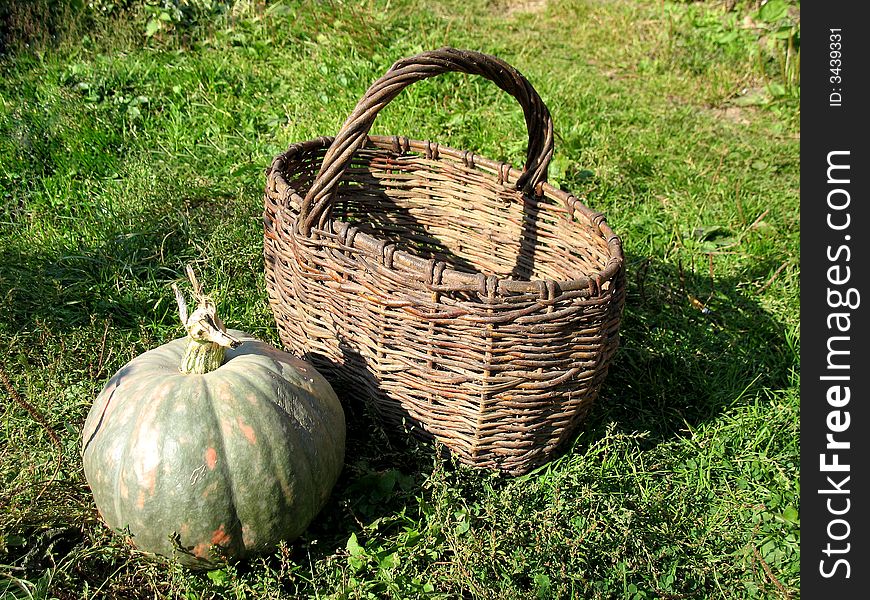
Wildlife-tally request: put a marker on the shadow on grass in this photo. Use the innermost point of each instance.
(690, 349)
(120, 274)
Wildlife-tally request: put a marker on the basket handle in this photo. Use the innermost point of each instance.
(317, 205)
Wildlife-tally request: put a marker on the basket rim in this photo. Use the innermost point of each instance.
(440, 275)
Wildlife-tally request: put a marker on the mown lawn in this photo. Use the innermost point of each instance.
(125, 156)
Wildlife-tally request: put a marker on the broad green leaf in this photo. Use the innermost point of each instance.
(353, 546)
(218, 576)
(462, 527)
(389, 562)
(773, 10)
(790, 515)
(152, 27)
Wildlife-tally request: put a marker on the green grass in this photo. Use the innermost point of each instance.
(125, 157)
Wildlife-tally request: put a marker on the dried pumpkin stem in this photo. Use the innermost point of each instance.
(207, 335)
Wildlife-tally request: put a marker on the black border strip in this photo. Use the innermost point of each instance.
(835, 298)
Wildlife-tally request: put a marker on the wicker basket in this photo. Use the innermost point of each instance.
(467, 300)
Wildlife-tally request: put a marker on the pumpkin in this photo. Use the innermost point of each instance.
(215, 439)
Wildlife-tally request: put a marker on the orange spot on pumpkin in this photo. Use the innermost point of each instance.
(220, 537)
(201, 550)
(211, 458)
(247, 430)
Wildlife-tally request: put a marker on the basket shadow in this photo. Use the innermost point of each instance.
(691, 348)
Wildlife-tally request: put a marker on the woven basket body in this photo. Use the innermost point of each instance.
(466, 300)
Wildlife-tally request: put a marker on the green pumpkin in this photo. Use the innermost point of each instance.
(241, 457)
